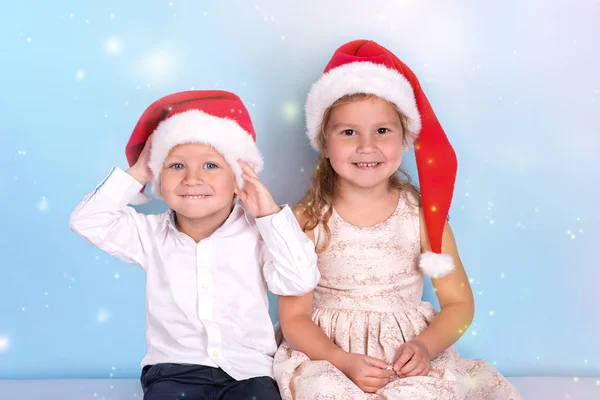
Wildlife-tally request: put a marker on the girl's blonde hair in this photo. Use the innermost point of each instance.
(317, 202)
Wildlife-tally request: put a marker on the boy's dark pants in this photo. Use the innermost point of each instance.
(198, 382)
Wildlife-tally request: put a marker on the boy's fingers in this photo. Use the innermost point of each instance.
(250, 178)
(247, 169)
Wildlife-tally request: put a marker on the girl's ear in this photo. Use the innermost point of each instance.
(325, 152)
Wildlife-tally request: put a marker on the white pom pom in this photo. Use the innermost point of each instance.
(139, 198)
(436, 265)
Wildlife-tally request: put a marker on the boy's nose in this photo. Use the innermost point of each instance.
(193, 178)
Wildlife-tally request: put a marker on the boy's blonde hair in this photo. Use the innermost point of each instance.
(317, 203)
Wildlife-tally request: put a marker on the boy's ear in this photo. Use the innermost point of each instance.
(236, 191)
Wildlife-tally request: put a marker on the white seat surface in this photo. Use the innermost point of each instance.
(531, 388)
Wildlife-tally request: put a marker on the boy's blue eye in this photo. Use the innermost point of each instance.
(177, 166)
(383, 130)
(348, 132)
(210, 166)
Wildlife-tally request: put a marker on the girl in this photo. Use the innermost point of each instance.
(364, 333)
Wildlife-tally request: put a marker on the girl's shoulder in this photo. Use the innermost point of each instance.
(303, 220)
(411, 200)
(317, 231)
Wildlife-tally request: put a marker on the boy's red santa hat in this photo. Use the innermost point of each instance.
(363, 66)
(212, 117)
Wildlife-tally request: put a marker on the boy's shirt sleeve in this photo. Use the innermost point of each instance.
(104, 219)
(288, 256)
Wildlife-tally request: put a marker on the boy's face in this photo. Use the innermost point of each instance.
(196, 181)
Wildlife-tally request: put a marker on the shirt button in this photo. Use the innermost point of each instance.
(215, 354)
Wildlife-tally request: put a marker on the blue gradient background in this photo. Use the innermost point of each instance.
(514, 83)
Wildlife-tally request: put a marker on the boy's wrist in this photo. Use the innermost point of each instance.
(272, 211)
(138, 175)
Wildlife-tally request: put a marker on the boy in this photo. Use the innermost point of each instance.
(209, 259)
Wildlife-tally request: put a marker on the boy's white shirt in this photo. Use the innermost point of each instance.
(206, 302)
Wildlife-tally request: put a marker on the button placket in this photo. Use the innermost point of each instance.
(214, 341)
(204, 281)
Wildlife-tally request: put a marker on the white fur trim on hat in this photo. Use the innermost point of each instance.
(194, 126)
(360, 77)
(436, 265)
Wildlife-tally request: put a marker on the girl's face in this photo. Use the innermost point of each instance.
(364, 142)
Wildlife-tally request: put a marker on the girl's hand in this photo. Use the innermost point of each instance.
(140, 170)
(368, 373)
(413, 360)
(256, 196)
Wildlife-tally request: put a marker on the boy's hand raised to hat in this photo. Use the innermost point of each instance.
(255, 195)
(140, 170)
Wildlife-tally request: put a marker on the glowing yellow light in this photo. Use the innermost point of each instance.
(232, 110)
(417, 146)
(430, 161)
(433, 208)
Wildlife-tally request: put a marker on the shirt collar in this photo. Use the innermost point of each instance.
(169, 221)
(237, 212)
